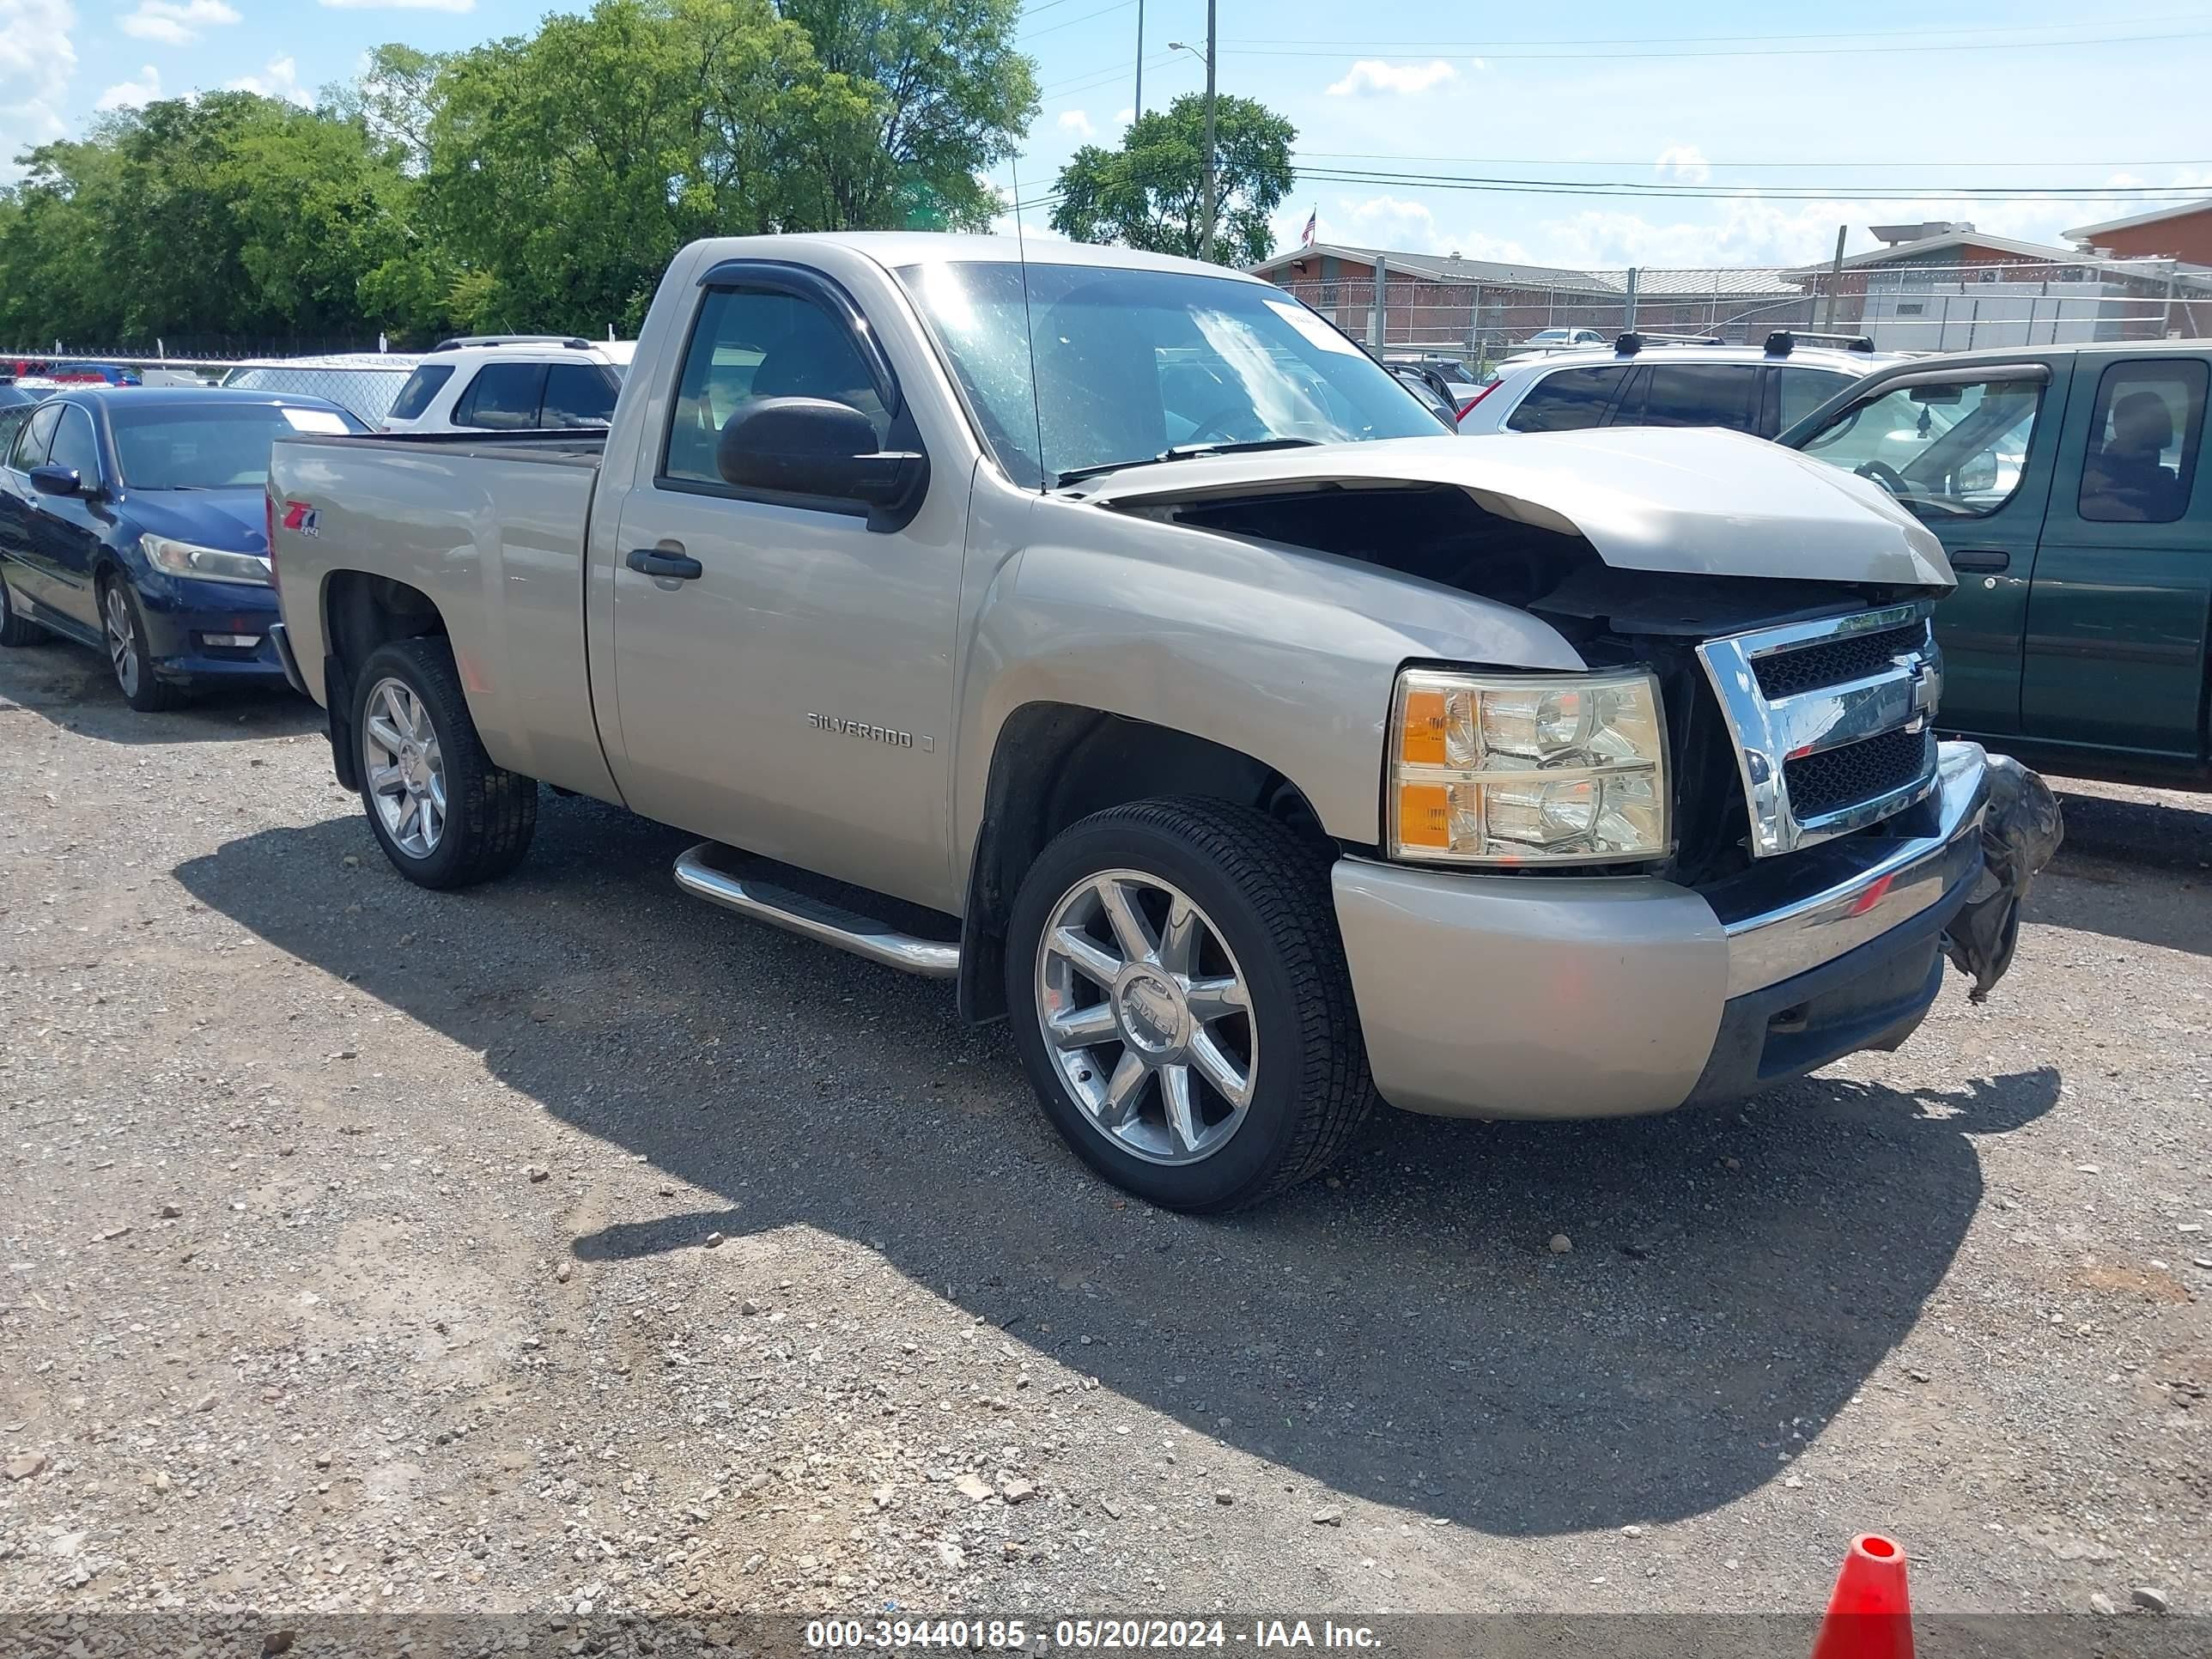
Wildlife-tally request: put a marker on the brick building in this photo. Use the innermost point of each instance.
(2182, 231)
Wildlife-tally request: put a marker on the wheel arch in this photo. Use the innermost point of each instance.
(1054, 765)
(360, 611)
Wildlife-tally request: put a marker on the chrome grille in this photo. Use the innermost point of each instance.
(1837, 778)
(1830, 721)
(1836, 662)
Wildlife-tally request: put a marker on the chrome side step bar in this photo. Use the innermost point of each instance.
(698, 874)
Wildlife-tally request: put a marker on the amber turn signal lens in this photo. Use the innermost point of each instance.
(1422, 735)
(1423, 814)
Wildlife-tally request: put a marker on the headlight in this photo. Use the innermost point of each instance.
(1552, 768)
(206, 564)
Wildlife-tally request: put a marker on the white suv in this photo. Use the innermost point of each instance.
(1658, 379)
(511, 383)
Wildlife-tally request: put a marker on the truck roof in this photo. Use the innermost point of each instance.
(894, 248)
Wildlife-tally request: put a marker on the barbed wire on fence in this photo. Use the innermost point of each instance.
(1899, 307)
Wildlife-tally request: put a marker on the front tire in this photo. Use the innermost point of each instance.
(15, 630)
(123, 630)
(445, 814)
(1181, 1005)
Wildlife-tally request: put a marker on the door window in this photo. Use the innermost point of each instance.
(751, 344)
(74, 446)
(1694, 394)
(1956, 449)
(1804, 390)
(38, 433)
(503, 397)
(2144, 432)
(577, 394)
(1568, 401)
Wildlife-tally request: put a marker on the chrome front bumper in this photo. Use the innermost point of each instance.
(1519, 996)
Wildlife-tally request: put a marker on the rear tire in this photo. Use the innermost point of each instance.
(15, 630)
(445, 814)
(123, 630)
(1235, 977)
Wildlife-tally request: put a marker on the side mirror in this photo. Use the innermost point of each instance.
(56, 481)
(812, 447)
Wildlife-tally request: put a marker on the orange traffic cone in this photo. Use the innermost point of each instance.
(1869, 1614)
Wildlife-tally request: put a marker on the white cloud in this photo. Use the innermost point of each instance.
(1075, 121)
(1684, 162)
(130, 94)
(37, 64)
(175, 22)
(280, 79)
(401, 5)
(1124, 115)
(1371, 76)
(1396, 223)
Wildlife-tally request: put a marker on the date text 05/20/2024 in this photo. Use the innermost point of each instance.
(1086, 1635)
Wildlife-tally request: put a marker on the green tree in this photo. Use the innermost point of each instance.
(940, 95)
(1151, 192)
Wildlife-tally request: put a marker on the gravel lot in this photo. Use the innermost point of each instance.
(568, 1243)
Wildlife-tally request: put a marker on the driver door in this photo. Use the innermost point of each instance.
(1968, 451)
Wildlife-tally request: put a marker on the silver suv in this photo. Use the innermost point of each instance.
(1658, 379)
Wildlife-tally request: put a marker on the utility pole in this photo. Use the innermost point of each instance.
(1137, 108)
(1836, 276)
(1205, 246)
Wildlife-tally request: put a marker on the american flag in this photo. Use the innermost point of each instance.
(1306, 236)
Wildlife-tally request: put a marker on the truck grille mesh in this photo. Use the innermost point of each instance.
(1835, 778)
(1835, 662)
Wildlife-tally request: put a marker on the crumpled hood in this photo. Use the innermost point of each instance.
(1697, 500)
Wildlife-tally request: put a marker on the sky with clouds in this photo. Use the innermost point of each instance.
(1719, 96)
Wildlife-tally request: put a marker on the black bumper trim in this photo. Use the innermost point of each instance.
(1873, 997)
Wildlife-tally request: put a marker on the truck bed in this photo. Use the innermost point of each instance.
(490, 529)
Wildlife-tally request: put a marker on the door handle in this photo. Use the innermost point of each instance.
(1981, 561)
(652, 562)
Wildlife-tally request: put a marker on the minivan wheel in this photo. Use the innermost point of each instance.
(445, 814)
(15, 630)
(123, 630)
(1181, 1005)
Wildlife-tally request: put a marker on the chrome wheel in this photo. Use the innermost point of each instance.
(405, 768)
(1147, 1016)
(122, 638)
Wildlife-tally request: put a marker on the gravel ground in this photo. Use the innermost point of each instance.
(567, 1245)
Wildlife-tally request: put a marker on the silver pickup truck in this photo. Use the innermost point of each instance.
(1111, 634)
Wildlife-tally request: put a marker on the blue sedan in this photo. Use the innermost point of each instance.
(135, 521)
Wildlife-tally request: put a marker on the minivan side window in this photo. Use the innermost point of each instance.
(1695, 394)
(503, 397)
(2145, 429)
(1568, 401)
(422, 384)
(1949, 449)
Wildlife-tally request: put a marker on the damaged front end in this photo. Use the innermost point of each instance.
(2021, 830)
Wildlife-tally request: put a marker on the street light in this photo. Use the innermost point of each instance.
(1206, 241)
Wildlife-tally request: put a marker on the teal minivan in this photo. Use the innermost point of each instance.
(2063, 483)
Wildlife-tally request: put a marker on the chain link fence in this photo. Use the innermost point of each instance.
(1906, 306)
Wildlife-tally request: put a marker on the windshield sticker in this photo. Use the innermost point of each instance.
(316, 420)
(1319, 332)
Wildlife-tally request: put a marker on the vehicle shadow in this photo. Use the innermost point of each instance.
(1403, 1333)
(70, 685)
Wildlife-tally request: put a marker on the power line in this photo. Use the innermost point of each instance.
(1555, 161)
(1628, 190)
(1084, 17)
(1580, 42)
(1494, 56)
